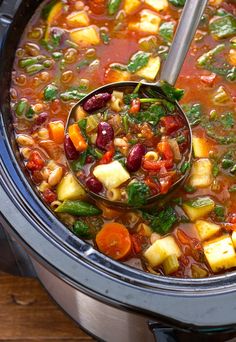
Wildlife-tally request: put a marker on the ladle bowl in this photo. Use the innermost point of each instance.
(189, 21)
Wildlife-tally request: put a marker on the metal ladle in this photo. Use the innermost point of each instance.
(190, 18)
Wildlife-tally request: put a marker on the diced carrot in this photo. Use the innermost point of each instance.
(77, 138)
(56, 131)
(165, 149)
(114, 240)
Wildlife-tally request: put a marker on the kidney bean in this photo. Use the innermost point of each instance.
(134, 158)
(96, 102)
(70, 149)
(105, 135)
(94, 185)
(41, 118)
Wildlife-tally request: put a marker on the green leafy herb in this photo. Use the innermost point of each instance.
(56, 36)
(120, 158)
(215, 170)
(228, 160)
(138, 193)
(128, 98)
(200, 202)
(162, 221)
(172, 93)
(193, 113)
(82, 125)
(177, 3)
(113, 6)
(83, 63)
(152, 115)
(81, 229)
(30, 113)
(227, 120)
(105, 37)
(50, 92)
(189, 188)
(78, 164)
(223, 27)
(166, 31)
(137, 61)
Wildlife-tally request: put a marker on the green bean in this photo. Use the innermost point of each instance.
(21, 107)
(113, 6)
(125, 120)
(78, 208)
(27, 62)
(72, 95)
(32, 69)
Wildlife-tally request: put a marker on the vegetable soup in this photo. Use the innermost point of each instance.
(71, 47)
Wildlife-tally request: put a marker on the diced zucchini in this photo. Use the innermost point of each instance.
(149, 23)
(54, 12)
(198, 272)
(69, 189)
(198, 207)
(161, 249)
(111, 175)
(171, 264)
(221, 95)
(77, 19)
(130, 6)
(233, 236)
(206, 229)
(200, 147)
(85, 36)
(158, 6)
(92, 122)
(201, 174)
(220, 253)
(150, 71)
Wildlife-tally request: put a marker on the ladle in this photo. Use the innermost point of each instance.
(190, 18)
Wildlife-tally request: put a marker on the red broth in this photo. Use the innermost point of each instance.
(71, 47)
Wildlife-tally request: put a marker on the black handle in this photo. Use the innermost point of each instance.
(8, 9)
(162, 333)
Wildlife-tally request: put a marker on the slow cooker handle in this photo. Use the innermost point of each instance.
(162, 333)
(7, 12)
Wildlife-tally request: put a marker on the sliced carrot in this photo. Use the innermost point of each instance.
(114, 240)
(77, 138)
(57, 131)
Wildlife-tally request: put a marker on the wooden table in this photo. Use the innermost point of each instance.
(28, 314)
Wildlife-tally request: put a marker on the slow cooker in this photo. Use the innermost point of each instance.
(111, 301)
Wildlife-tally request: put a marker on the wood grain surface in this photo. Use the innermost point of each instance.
(28, 314)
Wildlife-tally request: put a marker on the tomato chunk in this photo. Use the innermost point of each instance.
(35, 162)
(171, 123)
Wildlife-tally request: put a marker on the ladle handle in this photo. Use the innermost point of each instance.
(186, 29)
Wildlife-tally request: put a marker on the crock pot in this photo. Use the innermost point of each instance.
(113, 301)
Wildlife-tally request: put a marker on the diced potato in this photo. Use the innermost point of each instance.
(220, 253)
(206, 229)
(232, 57)
(149, 23)
(85, 36)
(158, 5)
(69, 189)
(233, 236)
(215, 2)
(150, 71)
(77, 19)
(171, 264)
(200, 147)
(130, 6)
(111, 175)
(199, 207)
(161, 249)
(201, 174)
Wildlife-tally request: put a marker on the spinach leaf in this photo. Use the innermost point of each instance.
(177, 3)
(137, 61)
(152, 115)
(162, 221)
(166, 31)
(129, 97)
(227, 120)
(81, 229)
(120, 158)
(223, 27)
(138, 193)
(50, 92)
(172, 93)
(193, 113)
